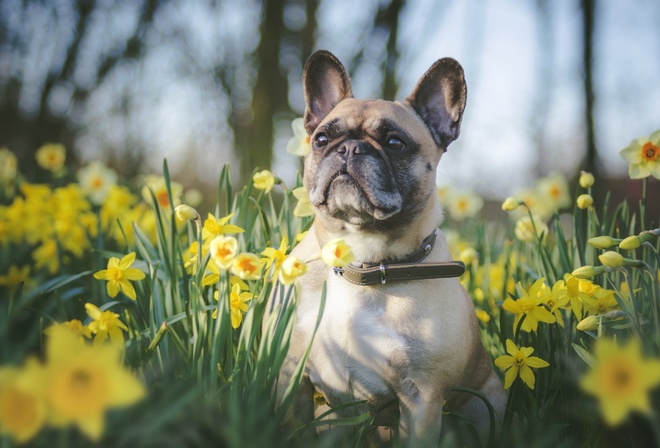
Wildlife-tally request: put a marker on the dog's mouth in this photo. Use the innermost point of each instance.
(355, 200)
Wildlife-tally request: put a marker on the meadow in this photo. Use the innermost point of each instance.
(130, 318)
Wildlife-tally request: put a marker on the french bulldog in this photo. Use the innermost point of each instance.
(371, 178)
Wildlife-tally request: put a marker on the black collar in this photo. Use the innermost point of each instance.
(407, 268)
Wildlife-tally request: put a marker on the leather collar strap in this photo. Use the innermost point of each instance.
(408, 268)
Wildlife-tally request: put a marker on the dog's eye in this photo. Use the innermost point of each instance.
(321, 140)
(395, 143)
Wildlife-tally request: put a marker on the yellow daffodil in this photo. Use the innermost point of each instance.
(193, 197)
(158, 186)
(275, 257)
(586, 179)
(525, 227)
(337, 254)
(304, 206)
(554, 191)
(573, 293)
(51, 157)
(530, 306)
(185, 212)
(215, 227)
(584, 201)
(246, 266)
(588, 323)
(603, 242)
(635, 241)
(643, 156)
(621, 379)
(601, 301)
(482, 315)
(8, 166)
(237, 304)
(611, 259)
(587, 272)
(510, 204)
(118, 274)
(292, 268)
(105, 324)
(263, 180)
(96, 179)
(46, 256)
(444, 193)
(23, 409)
(519, 364)
(469, 255)
(223, 250)
(84, 381)
(15, 276)
(298, 144)
(464, 204)
(557, 300)
(214, 276)
(191, 255)
(74, 326)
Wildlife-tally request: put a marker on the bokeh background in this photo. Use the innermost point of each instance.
(553, 85)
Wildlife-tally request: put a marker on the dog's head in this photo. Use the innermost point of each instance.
(372, 163)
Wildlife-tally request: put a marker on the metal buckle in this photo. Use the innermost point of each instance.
(383, 274)
(338, 271)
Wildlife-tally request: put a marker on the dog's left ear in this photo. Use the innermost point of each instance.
(439, 99)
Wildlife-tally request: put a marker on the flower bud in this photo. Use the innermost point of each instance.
(185, 212)
(586, 179)
(584, 201)
(630, 243)
(510, 204)
(264, 180)
(468, 255)
(587, 272)
(588, 323)
(603, 242)
(337, 253)
(612, 259)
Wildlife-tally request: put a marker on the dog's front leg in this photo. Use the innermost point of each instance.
(420, 419)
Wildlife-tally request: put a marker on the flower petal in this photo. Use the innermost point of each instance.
(511, 348)
(527, 376)
(93, 311)
(91, 425)
(113, 288)
(128, 289)
(537, 362)
(510, 376)
(101, 275)
(504, 361)
(134, 274)
(126, 261)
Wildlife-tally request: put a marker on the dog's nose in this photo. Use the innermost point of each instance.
(353, 147)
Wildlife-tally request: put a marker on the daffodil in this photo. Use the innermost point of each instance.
(83, 382)
(603, 242)
(573, 293)
(621, 379)
(584, 201)
(15, 276)
(554, 191)
(275, 257)
(46, 256)
(74, 326)
(215, 227)
(304, 206)
(8, 166)
(292, 268)
(193, 197)
(337, 253)
(643, 156)
(530, 306)
(557, 300)
(118, 274)
(51, 157)
(588, 272)
(263, 180)
(601, 301)
(105, 324)
(223, 250)
(23, 409)
(482, 315)
(185, 212)
(298, 144)
(510, 204)
(158, 186)
(237, 304)
(529, 230)
(519, 364)
(586, 179)
(246, 266)
(464, 204)
(588, 323)
(96, 179)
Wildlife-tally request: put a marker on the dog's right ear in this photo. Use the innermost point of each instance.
(325, 83)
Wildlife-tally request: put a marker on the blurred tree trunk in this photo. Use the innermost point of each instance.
(390, 19)
(588, 16)
(545, 75)
(254, 129)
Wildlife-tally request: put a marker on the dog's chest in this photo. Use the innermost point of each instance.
(358, 348)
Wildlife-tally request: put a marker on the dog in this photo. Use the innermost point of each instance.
(409, 337)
